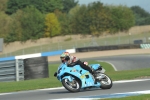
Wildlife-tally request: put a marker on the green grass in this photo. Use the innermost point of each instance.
(53, 82)
(140, 97)
(129, 74)
(68, 43)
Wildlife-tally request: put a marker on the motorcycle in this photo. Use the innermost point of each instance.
(74, 79)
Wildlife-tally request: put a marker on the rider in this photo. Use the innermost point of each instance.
(71, 61)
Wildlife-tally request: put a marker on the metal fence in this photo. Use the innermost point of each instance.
(12, 70)
(93, 41)
(1, 44)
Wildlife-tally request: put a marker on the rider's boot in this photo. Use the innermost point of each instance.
(94, 75)
(93, 72)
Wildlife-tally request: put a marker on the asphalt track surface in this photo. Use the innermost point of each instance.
(62, 93)
(127, 62)
(123, 62)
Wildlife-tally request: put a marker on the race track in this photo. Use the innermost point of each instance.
(127, 62)
(48, 94)
(123, 62)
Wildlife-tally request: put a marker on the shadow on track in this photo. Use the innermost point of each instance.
(83, 90)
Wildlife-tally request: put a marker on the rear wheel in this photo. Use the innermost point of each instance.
(105, 81)
(73, 86)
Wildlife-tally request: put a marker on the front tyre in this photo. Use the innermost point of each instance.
(105, 81)
(73, 86)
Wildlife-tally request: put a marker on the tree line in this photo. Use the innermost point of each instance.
(22, 20)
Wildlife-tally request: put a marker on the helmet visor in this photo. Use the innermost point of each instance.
(62, 59)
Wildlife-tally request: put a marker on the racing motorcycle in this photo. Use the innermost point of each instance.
(74, 79)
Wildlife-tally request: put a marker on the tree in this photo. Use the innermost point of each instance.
(5, 24)
(68, 4)
(64, 21)
(14, 5)
(27, 24)
(52, 25)
(140, 11)
(47, 6)
(122, 18)
(80, 20)
(141, 16)
(16, 28)
(3, 4)
(32, 24)
(52, 5)
(99, 18)
(44, 6)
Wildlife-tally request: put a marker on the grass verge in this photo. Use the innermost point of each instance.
(53, 82)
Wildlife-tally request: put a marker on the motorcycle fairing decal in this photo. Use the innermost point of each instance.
(87, 81)
(83, 75)
(73, 70)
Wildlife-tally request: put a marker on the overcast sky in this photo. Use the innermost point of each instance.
(145, 4)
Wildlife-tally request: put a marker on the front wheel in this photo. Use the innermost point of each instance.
(73, 86)
(105, 81)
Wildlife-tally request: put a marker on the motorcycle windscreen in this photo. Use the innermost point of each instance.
(95, 66)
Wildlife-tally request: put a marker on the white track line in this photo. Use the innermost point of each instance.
(125, 81)
(114, 95)
(108, 63)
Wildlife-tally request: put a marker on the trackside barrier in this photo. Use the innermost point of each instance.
(53, 53)
(145, 46)
(111, 47)
(35, 68)
(13, 69)
(7, 58)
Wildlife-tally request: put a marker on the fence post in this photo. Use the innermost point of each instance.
(17, 70)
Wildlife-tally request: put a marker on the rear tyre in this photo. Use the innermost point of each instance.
(73, 86)
(106, 82)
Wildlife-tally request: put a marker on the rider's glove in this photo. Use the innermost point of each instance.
(85, 63)
(55, 74)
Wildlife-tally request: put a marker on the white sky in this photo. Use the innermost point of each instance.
(145, 4)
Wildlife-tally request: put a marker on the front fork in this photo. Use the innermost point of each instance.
(100, 74)
(71, 80)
